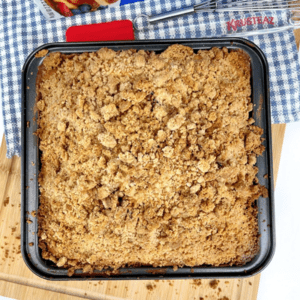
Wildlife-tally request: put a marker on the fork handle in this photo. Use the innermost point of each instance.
(171, 14)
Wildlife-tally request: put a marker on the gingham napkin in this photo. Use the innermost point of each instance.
(23, 28)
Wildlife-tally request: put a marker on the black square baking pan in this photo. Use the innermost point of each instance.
(31, 165)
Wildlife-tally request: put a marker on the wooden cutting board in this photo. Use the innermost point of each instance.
(18, 282)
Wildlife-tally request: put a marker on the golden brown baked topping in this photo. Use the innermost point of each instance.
(147, 159)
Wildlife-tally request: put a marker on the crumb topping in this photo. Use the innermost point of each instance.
(147, 159)
(42, 53)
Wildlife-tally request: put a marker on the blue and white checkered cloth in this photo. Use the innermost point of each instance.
(23, 28)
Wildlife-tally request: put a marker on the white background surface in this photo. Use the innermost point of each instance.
(280, 280)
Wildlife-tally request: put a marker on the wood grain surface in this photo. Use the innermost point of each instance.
(18, 282)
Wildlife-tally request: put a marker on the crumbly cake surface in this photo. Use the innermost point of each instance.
(147, 159)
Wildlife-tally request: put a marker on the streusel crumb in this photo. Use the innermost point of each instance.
(147, 159)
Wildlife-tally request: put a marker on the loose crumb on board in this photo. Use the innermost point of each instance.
(6, 201)
(42, 53)
(214, 284)
(33, 213)
(250, 283)
(197, 282)
(30, 244)
(266, 176)
(150, 287)
(28, 124)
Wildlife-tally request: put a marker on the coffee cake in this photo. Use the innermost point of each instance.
(147, 159)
